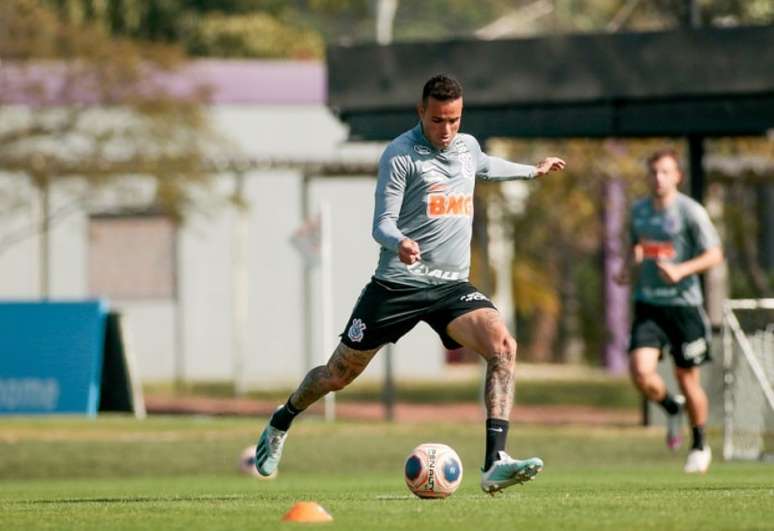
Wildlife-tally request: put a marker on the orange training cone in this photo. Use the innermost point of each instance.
(307, 512)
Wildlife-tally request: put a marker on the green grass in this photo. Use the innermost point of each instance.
(613, 393)
(179, 473)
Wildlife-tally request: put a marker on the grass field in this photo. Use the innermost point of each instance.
(607, 392)
(180, 473)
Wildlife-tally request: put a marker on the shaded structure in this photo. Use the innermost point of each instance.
(679, 83)
(690, 82)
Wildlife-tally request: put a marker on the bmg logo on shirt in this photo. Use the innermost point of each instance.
(445, 205)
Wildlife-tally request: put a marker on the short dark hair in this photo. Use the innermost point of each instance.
(442, 87)
(664, 153)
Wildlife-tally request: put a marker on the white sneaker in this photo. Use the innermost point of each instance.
(507, 471)
(698, 461)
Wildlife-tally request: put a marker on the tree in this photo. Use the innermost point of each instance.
(558, 237)
(83, 109)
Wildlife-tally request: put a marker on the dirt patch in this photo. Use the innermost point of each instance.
(403, 412)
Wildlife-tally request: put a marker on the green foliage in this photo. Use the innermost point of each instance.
(255, 35)
(558, 233)
(557, 239)
(232, 34)
(733, 12)
(133, 125)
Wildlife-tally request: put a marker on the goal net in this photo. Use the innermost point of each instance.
(748, 365)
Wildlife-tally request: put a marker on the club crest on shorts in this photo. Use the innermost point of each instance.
(356, 329)
(695, 349)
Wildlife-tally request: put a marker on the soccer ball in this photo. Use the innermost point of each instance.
(247, 464)
(433, 470)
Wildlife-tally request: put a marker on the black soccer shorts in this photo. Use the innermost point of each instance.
(386, 311)
(685, 329)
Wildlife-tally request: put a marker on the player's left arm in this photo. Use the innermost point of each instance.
(674, 273)
(491, 168)
(702, 232)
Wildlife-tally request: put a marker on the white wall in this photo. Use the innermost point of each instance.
(150, 326)
(275, 353)
(20, 242)
(281, 131)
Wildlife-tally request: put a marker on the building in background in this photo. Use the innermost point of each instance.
(223, 294)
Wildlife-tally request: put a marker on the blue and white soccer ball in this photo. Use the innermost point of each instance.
(433, 470)
(247, 462)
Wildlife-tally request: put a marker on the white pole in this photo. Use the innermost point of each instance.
(385, 19)
(326, 280)
(240, 287)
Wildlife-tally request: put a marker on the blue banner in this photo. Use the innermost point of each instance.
(51, 356)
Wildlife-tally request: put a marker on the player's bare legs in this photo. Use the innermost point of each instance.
(344, 365)
(342, 368)
(698, 407)
(483, 330)
(696, 398)
(642, 366)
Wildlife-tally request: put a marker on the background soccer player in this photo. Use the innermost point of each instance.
(673, 240)
(423, 221)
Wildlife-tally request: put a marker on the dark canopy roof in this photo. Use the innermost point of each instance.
(688, 82)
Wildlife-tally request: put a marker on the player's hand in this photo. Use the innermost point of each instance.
(671, 273)
(408, 251)
(550, 164)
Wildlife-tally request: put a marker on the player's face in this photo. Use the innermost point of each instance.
(664, 177)
(440, 120)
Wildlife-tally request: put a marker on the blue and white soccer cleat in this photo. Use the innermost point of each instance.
(674, 425)
(507, 471)
(268, 451)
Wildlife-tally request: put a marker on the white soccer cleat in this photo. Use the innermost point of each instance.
(507, 471)
(268, 451)
(698, 461)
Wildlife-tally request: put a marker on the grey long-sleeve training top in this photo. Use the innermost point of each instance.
(426, 194)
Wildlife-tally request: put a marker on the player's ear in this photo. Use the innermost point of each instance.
(680, 177)
(420, 109)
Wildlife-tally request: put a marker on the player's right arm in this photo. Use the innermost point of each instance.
(394, 169)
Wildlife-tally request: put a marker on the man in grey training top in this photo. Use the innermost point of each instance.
(672, 241)
(423, 221)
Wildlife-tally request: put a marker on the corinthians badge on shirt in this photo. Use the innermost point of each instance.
(468, 171)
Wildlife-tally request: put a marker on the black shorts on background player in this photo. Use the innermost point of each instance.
(684, 328)
(386, 311)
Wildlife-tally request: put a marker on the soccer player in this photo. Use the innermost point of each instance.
(672, 240)
(423, 221)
